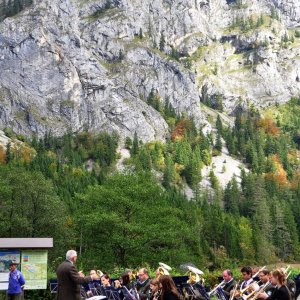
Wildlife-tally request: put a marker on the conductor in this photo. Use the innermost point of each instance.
(69, 279)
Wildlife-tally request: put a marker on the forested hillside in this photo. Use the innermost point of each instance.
(69, 188)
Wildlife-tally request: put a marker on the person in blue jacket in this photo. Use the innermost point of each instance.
(16, 282)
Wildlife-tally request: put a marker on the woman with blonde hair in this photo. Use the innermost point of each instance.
(281, 292)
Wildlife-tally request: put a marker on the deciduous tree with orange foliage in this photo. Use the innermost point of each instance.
(280, 175)
(269, 126)
(2, 155)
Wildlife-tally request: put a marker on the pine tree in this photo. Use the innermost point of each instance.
(174, 53)
(261, 161)
(282, 238)
(193, 170)
(232, 197)
(246, 240)
(144, 159)
(121, 55)
(162, 42)
(231, 236)
(135, 145)
(213, 180)
(128, 143)
(218, 145)
(270, 166)
(169, 172)
(219, 125)
(183, 152)
(8, 153)
(264, 249)
(141, 33)
(292, 229)
(150, 99)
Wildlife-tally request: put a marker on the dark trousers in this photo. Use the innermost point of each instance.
(13, 296)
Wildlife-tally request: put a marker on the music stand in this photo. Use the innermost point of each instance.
(53, 286)
(188, 289)
(112, 294)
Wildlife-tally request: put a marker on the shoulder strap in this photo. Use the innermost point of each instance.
(288, 290)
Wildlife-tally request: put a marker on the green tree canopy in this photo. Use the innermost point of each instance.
(129, 220)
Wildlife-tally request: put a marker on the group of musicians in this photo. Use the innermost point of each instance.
(255, 284)
(132, 286)
(263, 284)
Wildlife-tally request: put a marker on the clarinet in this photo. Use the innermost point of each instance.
(134, 291)
(157, 295)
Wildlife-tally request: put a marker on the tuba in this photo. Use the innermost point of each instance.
(133, 275)
(194, 275)
(163, 269)
(196, 283)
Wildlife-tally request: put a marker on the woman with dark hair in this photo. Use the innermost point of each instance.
(126, 292)
(281, 292)
(105, 280)
(125, 280)
(168, 288)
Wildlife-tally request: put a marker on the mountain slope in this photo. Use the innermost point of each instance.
(72, 65)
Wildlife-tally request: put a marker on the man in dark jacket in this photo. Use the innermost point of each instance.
(69, 279)
(229, 282)
(143, 284)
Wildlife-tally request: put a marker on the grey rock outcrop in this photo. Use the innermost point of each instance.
(75, 64)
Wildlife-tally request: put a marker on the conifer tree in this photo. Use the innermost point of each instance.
(162, 42)
(193, 170)
(169, 172)
(218, 145)
(219, 125)
(232, 197)
(141, 33)
(135, 145)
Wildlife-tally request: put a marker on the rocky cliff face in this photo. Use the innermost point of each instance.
(75, 64)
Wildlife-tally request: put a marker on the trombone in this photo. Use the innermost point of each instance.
(220, 285)
(255, 294)
(234, 291)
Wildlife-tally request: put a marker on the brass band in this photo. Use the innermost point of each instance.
(256, 283)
